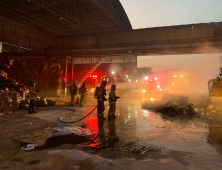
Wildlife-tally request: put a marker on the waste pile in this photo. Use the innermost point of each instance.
(13, 96)
(177, 104)
(48, 75)
(11, 93)
(171, 105)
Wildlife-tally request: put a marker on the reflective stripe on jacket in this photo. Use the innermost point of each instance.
(100, 95)
(32, 94)
(112, 97)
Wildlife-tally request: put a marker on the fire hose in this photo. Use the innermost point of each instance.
(77, 120)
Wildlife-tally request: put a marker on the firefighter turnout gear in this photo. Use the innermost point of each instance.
(83, 93)
(32, 95)
(73, 89)
(100, 95)
(112, 102)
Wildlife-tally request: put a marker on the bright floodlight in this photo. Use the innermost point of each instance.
(181, 75)
(129, 80)
(136, 80)
(146, 78)
(151, 99)
(175, 76)
(155, 78)
(113, 72)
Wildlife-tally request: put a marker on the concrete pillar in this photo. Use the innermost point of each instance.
(66, 63)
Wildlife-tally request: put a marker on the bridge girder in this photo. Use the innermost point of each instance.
(182, 39)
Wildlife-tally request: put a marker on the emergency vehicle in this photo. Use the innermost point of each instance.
(91, 83)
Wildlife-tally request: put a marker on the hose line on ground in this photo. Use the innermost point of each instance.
(79, 119)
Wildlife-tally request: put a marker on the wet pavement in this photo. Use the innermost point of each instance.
(142, 134)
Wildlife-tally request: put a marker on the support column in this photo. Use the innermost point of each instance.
(66, 75)
(72, 68)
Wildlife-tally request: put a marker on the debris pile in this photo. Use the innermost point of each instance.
(48, 75)
(176, 106)
(13, 96)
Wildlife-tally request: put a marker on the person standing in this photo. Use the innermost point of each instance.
(101, 93)
(83, 93)
(73, 91)
(112, 102)
(32, 95)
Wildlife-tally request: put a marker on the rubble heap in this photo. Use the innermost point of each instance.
(13, 96)
(48, 75)
(11, 93)
(178, 105)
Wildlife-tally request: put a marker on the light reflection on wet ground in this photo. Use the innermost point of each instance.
(137, 131)
(138, 128)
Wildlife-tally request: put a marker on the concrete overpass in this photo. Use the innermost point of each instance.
(182, 39)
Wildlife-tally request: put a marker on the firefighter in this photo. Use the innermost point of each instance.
(83, 93)
(73, 91)
(101, 93)
(112, 102)
(32, 97)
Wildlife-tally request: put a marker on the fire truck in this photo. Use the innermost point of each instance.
(162, 84)
(92, 83)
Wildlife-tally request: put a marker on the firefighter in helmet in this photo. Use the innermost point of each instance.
(101, 93)
(73, 89)
(32, 95)
(83, 93)
(112, 102)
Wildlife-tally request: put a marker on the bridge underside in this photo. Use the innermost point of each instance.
(184, 39)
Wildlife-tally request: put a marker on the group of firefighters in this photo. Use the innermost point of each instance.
(100, 94)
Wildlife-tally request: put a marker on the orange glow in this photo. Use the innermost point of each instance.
(151, 99)
(151, 114)
(175, 76)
